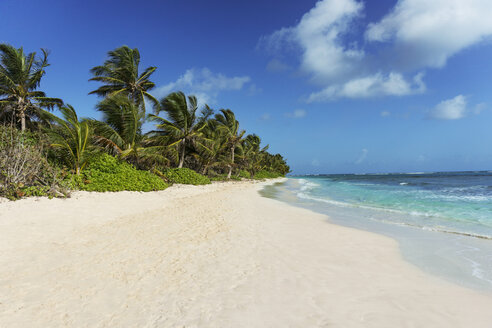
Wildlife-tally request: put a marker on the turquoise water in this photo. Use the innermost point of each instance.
(449, 202)
(443, 221)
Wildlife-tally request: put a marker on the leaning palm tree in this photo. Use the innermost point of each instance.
(20, 76)
(183, 128)
(120, 131)
(120, 75)
(229, 127)
(71, 138)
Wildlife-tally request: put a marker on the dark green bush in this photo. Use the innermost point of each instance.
(107, 173)
(185, 176)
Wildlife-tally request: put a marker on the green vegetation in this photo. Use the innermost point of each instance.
(185, 176)
(120, 75)
(71, 139)
(45, 154)
(264, 174)
(20, 76)
(182, 128)
(107, 173)
(24, 167)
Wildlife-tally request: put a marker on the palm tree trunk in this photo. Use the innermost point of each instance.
(23, 119)
(182, 157)
(232, 162)
(204, 171)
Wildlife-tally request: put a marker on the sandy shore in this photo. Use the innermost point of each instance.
(211, 256)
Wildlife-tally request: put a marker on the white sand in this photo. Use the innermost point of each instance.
(212, 256)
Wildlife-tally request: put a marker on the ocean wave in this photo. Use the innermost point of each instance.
(434, 229)
(401, 212)
(306, 185)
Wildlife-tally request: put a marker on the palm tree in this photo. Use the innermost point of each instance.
(229, 127)
(252, 153)
(183, 128)
(71, 138)
(120, 131)
(120, 75)
(20, 76)
(209, 152)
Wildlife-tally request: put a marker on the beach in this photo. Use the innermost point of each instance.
(217, 255)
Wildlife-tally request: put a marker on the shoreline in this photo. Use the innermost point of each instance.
(454, 257)
(204, 256)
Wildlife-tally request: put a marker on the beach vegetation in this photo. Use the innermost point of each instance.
(21, 102)
(24, 166)
(265, 174)
(119, 132)
(45, 153)
(109, 173)
(71, 139)
(184, 176)
(120, 75)
(228, 126)
(182, 127)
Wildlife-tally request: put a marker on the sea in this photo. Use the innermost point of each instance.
(442, 220)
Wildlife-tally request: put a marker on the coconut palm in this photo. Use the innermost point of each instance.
(120, 131)
(120, 75)
(210, 151)
(183, 128)
(71, 138)
(252, 153)
(229, 127)
(20, 76)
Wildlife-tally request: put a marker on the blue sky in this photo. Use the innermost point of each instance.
(336, 86)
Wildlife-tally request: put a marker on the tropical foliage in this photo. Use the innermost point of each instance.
(20, 76)
(24, 168)
(182, 129)
(184, 176)
(71, 139)
(120, 131)
(188, 144)
(228, 126)
(108, 173)
(120, 75)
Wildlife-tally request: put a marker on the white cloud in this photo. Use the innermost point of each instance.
(315, 163)
(451, 109)
(298, 113)
(362, 156)
(385, 113)
(203, 83)
(318, 36)
(427, 33)
(371, 86)
(417, 35)
(265, 117)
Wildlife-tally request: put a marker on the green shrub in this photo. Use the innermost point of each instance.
(185, 176)
(244, 174)
(107, 173)
(267, 175)
(223, 177)
(24, 168)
